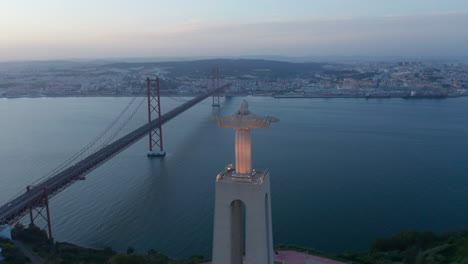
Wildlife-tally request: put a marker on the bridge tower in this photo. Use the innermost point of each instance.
(36, 210)
(154, 107)
(215, 85)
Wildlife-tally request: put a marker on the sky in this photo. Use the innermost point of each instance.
(89, 29)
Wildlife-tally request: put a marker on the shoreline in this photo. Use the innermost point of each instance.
(403, 247)
(242, 95)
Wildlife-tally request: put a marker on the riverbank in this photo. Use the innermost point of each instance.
(242, 95)
(409, 247)
(36, 241)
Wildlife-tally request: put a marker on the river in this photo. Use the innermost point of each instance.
(343, 171)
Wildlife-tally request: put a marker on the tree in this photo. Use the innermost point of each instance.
(130, 250)
(127, 259)
(155, 257)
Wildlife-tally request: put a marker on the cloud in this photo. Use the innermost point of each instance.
(419, 35)
(442, 34)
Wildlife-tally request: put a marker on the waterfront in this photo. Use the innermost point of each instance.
(344, 171)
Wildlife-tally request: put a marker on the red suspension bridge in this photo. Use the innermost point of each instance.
(35, 201)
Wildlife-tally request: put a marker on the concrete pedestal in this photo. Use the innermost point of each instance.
(232, 192)
(156, 153)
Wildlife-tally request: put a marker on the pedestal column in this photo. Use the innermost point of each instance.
(243, 151)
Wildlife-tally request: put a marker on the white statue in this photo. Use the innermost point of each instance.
(242, 121)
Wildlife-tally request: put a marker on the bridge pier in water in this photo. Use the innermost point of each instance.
(35, 201)
(154, 106)
(215, 86)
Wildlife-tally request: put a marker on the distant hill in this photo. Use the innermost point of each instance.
(230, 67)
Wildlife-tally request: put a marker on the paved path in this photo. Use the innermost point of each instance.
(294, 257)
(28, 253)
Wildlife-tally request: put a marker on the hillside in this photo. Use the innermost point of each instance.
(230, 67)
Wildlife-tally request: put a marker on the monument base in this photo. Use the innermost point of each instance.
(242, 230)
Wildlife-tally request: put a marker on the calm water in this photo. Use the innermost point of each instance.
(344, 171)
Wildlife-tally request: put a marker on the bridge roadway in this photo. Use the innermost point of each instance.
(13, 210)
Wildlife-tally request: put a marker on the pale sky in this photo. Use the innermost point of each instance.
(65, 29)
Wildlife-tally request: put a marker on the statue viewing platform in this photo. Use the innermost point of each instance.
(229, 174)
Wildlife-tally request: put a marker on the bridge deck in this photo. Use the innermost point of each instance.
(19, 206)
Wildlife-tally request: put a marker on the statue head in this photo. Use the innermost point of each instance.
(244, 108)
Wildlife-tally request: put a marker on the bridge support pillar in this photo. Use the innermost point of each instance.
(154, 106)
(215, 86)
(40, 209)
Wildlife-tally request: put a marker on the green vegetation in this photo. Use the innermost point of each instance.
(11, 253)
(31, 235)
(55, 253)
(408, 247)
(66, 253)
(413, 247)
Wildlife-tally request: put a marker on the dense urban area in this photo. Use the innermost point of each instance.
(418, 79)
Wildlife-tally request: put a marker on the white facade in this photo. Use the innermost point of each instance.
(232, 191)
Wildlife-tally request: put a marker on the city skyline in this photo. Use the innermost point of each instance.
(86, 29)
